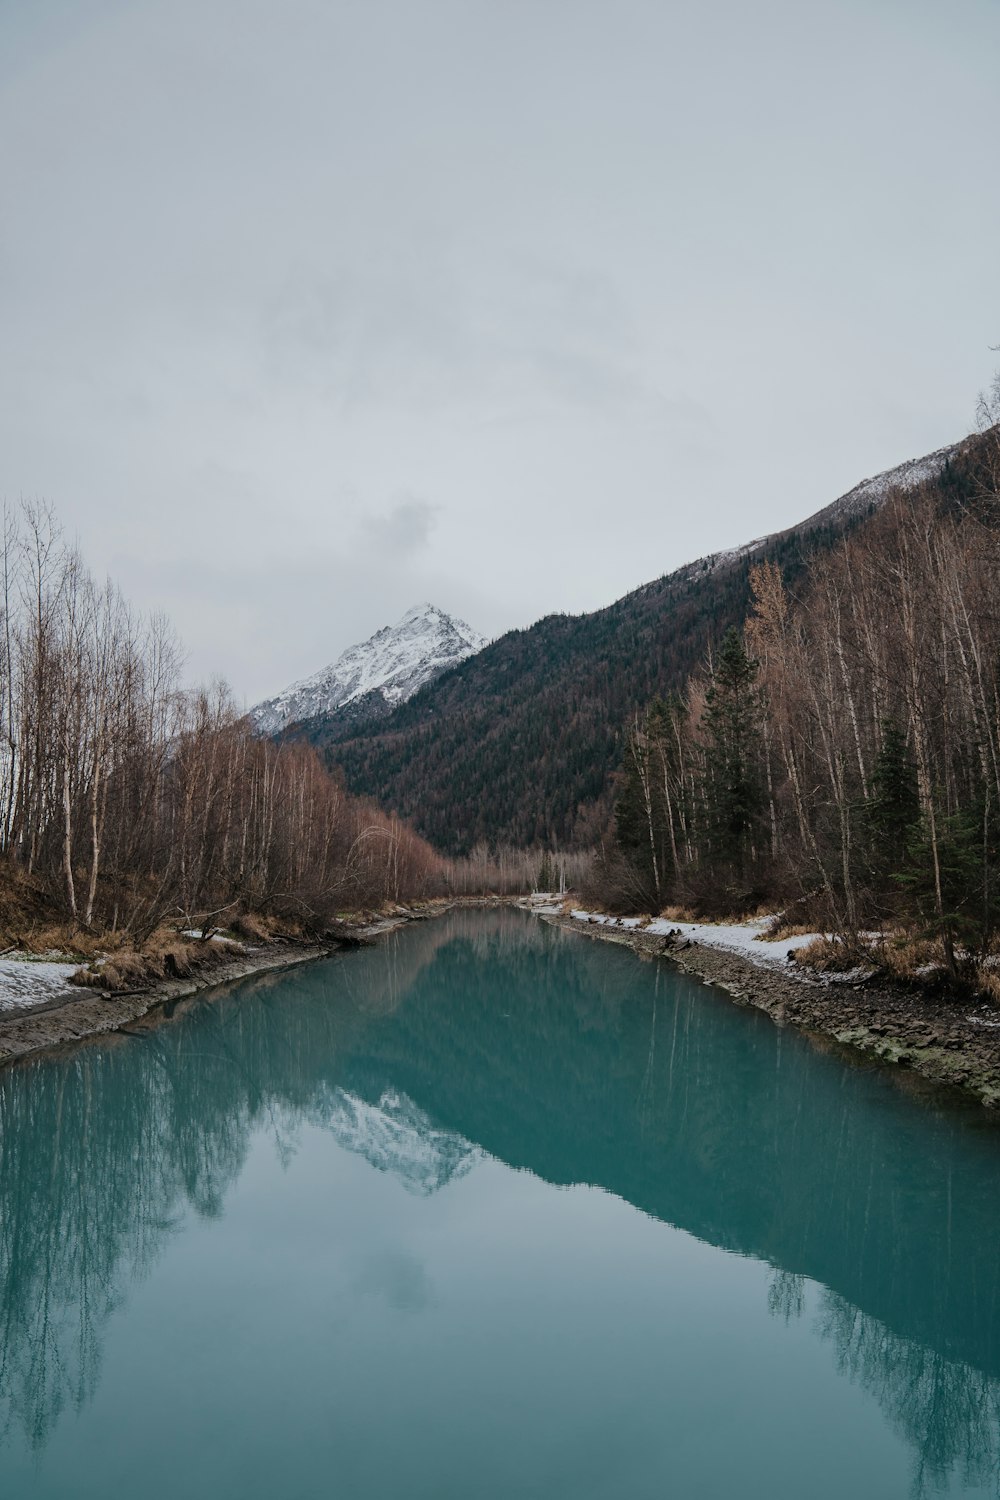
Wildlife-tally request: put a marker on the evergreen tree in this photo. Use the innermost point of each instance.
(733, 788)
(892, 809)
(960, 917)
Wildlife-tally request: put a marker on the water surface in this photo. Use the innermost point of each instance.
(490, 1210)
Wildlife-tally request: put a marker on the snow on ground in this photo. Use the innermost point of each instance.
(736, 937)
(25, 982)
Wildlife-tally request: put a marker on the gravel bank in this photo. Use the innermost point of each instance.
(84, 1013)
(950, 1043)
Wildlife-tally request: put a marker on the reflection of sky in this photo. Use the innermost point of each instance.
(334, 1334)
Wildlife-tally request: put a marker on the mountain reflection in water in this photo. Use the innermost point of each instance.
(488, 1034)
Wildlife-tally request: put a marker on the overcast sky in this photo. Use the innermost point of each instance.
(313, 310)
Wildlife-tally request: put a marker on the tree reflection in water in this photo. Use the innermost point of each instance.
(484, 1030)
(948, 1412)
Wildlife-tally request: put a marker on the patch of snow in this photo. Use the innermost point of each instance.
(905, 476)
(396, 662)
(743, 938)
(716, 560)
(543, 903)
(25, 982)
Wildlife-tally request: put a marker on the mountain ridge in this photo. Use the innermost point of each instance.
(519, 742)
(853, 504)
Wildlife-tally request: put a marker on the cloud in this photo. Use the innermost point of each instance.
(281, 273)
(403, 531)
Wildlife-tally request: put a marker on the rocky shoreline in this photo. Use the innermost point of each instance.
(948, 1043)
(944, 1043)
(88, 1014)
(59, 1023)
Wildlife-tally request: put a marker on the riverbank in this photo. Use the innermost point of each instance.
(75, 1014)
(949, 1043)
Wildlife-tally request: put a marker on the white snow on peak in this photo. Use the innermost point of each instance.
(395, 1135)
(395, 662)
(905, 476)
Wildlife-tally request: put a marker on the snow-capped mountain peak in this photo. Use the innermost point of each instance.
(392, 664)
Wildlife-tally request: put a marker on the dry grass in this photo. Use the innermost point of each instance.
(988, 983)
(778, 929)
(825, 954)
(257, 928)
(730, 916)
(65, 938)
(907, 957)
(166, 955)
(904, 956)
(678, 914)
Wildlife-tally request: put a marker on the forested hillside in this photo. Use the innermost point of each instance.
(519, 743)
(843, 746)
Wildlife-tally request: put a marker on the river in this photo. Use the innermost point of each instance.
(491, 1210)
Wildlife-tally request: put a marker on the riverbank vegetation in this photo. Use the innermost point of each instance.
(839, 755)
(130, 805)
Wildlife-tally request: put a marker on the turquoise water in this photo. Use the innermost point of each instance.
(489, 1211)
